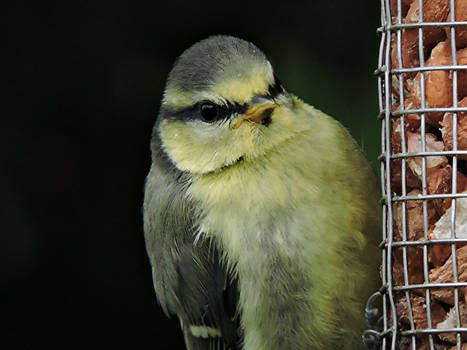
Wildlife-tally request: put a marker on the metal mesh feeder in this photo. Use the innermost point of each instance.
(422, 82)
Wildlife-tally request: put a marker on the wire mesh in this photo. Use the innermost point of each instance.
(422, 89)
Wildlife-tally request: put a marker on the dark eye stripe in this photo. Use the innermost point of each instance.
(225, 111)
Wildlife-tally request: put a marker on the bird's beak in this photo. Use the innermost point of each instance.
(258, 112)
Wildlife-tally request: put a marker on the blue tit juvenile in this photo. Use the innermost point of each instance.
(261, 213)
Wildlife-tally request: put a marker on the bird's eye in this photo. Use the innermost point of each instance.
(208, 111)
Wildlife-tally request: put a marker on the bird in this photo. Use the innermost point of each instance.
(261, 213)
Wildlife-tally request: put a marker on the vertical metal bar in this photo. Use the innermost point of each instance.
(424, 182)
(387, 127)
(454, 174)
(403, 173)
(382, 171)
(384, 266)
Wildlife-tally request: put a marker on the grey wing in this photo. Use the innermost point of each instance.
(189, 278)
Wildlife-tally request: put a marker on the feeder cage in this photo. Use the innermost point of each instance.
(422, 82)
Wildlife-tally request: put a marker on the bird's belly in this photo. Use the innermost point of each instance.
(275, 285)
(261, 235)
(275, 297)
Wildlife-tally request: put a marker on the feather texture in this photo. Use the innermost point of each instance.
(262, 236)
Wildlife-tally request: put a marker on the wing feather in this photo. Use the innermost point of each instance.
(189, 278)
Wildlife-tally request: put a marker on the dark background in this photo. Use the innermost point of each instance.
(84, 80)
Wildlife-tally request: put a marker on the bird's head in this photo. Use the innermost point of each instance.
(222, 104)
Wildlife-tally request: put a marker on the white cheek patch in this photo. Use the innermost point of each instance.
(201, 147)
